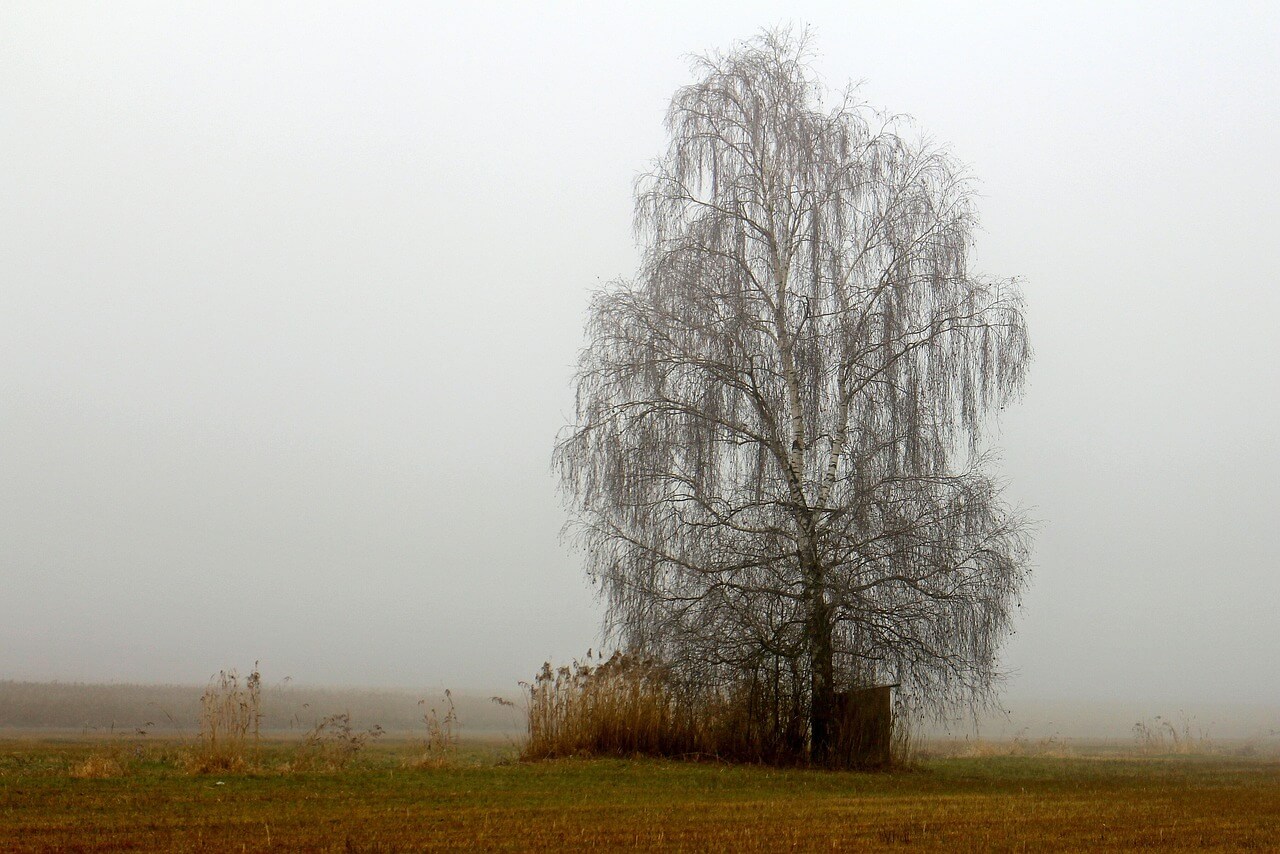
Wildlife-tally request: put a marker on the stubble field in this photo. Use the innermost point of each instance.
(134, 794)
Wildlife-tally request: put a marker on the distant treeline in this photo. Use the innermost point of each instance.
(175, 709)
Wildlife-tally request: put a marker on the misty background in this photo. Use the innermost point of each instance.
(290, 297)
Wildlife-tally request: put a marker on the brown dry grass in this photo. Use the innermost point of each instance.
(99, 766)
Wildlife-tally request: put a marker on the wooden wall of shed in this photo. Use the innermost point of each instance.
(864, 727)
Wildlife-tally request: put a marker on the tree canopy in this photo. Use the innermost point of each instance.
(776, 467)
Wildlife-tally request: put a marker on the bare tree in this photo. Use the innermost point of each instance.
(775, 469)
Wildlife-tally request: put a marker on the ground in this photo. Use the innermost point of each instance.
(96, 795)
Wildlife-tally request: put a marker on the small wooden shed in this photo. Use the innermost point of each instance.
(864, 726)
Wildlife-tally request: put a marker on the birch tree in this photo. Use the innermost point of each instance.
(776, 469)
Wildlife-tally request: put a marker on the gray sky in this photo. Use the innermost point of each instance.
(291, 295)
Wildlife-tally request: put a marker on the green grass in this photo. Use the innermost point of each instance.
(483, 799)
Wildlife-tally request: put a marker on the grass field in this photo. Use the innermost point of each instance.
(54, 796)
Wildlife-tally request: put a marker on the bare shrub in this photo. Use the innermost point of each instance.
(332, 743)
(904, 746)
(441, 744)
(1160, 735)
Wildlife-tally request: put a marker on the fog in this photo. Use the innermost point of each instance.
(291, 297)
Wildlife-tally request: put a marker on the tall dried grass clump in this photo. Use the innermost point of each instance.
(616, 707)
(230, 723)
(626, 706)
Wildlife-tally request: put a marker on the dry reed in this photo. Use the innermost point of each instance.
(616, 707)
(625, 706)
(230, 723)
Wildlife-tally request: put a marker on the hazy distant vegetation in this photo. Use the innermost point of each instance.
(176, 709)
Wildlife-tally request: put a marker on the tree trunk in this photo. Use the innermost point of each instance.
(821, 672)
